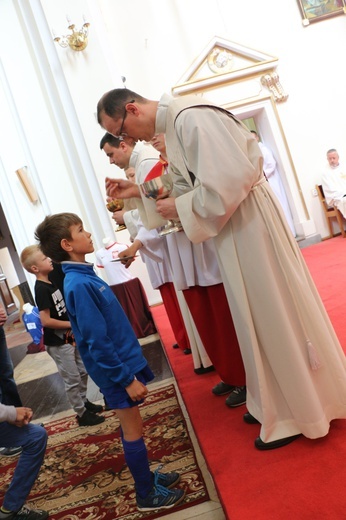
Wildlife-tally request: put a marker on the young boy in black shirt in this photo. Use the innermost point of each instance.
(54, 318)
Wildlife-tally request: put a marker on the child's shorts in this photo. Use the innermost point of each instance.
(117, 397)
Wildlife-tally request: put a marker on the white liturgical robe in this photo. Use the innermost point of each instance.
(295, 366)
(272, 173)
(334, 187)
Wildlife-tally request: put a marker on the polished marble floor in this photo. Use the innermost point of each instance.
(42, 389)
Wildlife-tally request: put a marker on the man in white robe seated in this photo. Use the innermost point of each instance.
(334, 182)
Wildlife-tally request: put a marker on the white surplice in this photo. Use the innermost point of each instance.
(155, 256)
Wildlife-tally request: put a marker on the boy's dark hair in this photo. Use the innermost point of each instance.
(52, 231)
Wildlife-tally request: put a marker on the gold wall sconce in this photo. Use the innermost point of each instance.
(77, 40)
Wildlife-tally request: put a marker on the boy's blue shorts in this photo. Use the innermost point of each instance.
(117, 397)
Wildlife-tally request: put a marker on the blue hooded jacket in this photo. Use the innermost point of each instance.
(105, 339)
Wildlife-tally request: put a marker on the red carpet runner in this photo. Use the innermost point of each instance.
(302, 481)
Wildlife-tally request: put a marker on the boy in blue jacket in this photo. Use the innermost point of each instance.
(110, 350)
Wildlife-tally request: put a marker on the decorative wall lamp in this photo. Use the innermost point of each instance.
(77, 40)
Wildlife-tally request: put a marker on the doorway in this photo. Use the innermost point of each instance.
(272, 172)
(262, 117)
(13, 278)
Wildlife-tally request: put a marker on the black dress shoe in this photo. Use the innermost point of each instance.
(260, 445)
(250, 419)
(237, 397)
(222, 388)
(202, 370)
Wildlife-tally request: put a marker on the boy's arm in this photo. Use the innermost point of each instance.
(17, 416)
(51, 323)
(93, 333)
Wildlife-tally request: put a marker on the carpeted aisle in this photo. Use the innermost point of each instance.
(84, 475)
(327, 264)
(302, 481)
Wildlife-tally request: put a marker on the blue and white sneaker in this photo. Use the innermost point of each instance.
(160, 497)
(26, 513)
(167, 480)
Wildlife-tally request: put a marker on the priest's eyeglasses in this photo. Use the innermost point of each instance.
(122, 134)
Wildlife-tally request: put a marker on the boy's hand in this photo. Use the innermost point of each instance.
(3, 315)
(24, 416)
(136, 390)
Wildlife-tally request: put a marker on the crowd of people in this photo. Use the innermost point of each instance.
(235, 286)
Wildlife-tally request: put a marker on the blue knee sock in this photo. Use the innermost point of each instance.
(136, 457)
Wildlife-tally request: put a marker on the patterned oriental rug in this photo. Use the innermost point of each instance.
(84, 475)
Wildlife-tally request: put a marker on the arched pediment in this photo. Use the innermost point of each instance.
(223, 61)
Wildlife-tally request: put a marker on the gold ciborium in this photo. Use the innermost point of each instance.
(113, 206)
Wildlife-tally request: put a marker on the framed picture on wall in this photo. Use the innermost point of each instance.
(316, 10)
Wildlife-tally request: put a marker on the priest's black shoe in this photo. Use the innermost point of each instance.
(250, 419)
(222, 388)
(204, 370)
(260, 445)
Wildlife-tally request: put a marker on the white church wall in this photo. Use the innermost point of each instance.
(38, 131)
(89, 74)
(151, 43)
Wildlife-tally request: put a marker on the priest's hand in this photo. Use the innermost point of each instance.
(167, 209)
(118, 217)
(121, 189)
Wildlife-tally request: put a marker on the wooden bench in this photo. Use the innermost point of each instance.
(330, 212)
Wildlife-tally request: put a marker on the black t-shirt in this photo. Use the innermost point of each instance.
(47, 296)
(57, 277)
